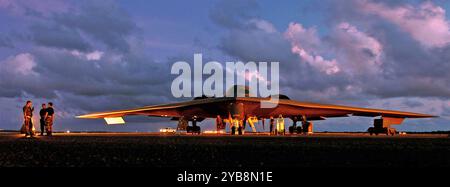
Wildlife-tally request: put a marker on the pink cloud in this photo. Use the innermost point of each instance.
(426, 23)
(305, 44)
(356, 50)
(20, 64)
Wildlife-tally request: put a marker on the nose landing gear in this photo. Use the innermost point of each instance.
(236, 128)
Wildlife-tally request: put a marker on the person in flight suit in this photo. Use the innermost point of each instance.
(49, 119)
(43, 115)
(27, 118)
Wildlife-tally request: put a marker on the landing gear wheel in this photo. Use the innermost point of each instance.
(197, 129)
(240, 130)
(291, 129)
(193, 130)
(233, 130)
(298, 130)
(370, 130)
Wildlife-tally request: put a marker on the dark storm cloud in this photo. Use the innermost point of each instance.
(58, 37)
(132, 76)
(104, 21)
(118, 76)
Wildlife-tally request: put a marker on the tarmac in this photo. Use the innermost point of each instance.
(224, 151)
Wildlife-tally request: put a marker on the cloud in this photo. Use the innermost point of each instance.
(90, 56)
(21, 64)
(6, 41)
(356, 51)
(426, 23)
(263, 25)
(52, 35)
(96, 55)
(33, 7)
(233, 13)
(103, 21)
(304, 42)
(374, 60)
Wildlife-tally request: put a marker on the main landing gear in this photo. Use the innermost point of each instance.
(382, 126)
(306, 127)
(194, 129)
(237, 130)
(294, 128)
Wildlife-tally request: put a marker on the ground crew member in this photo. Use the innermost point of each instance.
(219, 123)
(280, 125)
(27, 118)
(49, 119)
(182, 124)
(43, 115)
(272, 122)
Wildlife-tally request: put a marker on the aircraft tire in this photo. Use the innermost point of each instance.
(371, 131)
(299, 130)
(291, 129)
(197, 130)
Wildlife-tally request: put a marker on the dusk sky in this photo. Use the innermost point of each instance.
(97, 55)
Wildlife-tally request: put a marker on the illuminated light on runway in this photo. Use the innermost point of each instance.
(168, 130)
(214, 132)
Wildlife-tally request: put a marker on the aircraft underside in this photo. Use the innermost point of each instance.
(238, 115)
(238, 112)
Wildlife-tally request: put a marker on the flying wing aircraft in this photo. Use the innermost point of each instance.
(239, 109)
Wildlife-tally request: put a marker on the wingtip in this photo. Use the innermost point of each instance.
(429, 116)
(82, 117)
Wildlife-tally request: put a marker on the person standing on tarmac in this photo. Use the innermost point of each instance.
(27, 119)
(43, 115)
(280, 125)
(50, 119)
(272, 123)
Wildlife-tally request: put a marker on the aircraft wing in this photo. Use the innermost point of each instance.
(316, 111)
(211, 107)
(166, 110)
(201, 108)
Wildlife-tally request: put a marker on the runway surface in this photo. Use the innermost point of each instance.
(200, 151)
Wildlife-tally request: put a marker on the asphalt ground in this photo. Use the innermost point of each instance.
(224, 151)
